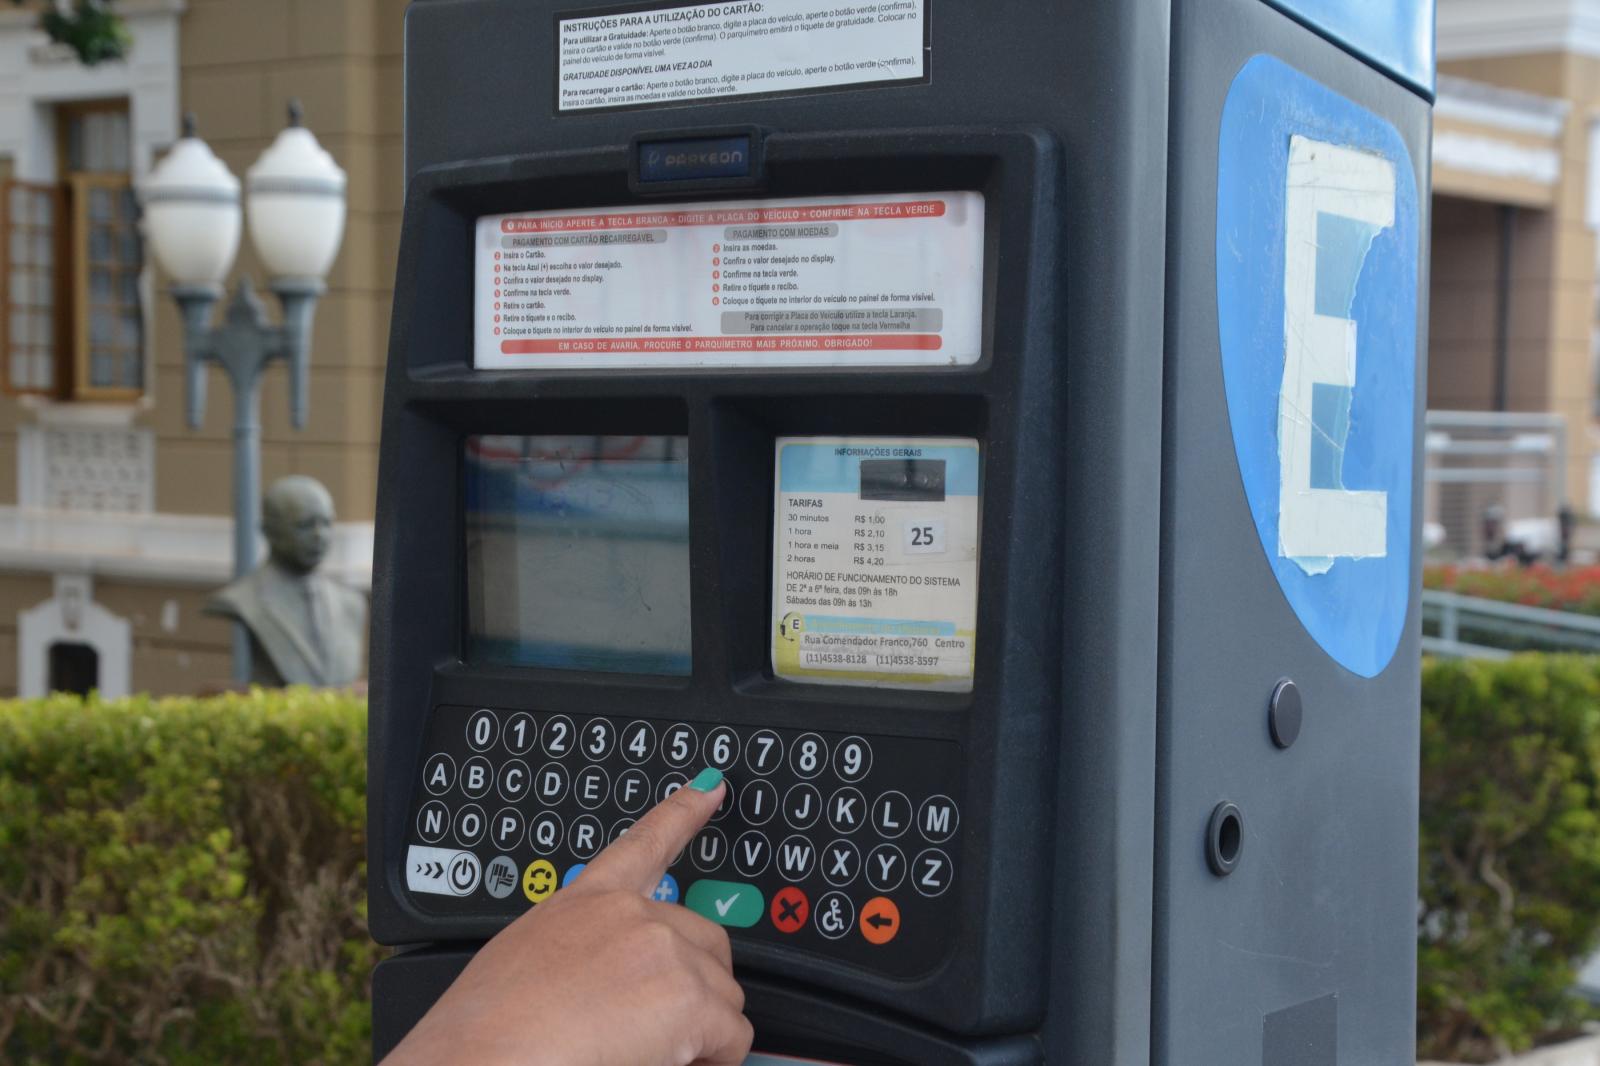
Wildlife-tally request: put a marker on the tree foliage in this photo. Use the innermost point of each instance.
(90, 28)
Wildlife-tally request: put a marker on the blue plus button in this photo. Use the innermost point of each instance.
(572, 874)
(666, 890)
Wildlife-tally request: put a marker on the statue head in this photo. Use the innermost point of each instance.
(297, 518)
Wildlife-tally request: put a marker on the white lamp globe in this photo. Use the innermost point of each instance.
(296, 204)
(191, 212)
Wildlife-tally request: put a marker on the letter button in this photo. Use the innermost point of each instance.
(482, 728)
(438, 774)
(758, 802)
(708, 849)
(751, 853)
(669, 784)
(591, 787)
(886, 867)
(679, 745)
(796, 856)
(891, 815)
(852, 759)
(835, 915)
(586, 836)
(931, 872)
(515, 777)
(841, 861)
(551, 784)
(545, 831)
(938, 819)
(469, 825)
(725, 804)
(622, 826)
(432, 821)
(802, 806)
(506, 831)
(598, 738)
(632, 791)
(477, 777)
(847, 810)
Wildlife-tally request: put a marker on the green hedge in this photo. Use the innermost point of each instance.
(1510, 863)
(183, 881)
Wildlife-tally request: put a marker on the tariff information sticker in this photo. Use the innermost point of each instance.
(893, 279)
(875, 561)
(754, 47)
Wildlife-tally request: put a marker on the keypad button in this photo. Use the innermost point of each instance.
(438, 774)
(432, 821)
(482, 728)
(638, 742)
(808, 755)
(678, 746)
(669, 784)
(891, 815)
(572, 873)
(841, 862)
(725, 804)
(551, 784)
(938, 819)
(852, 759)
(585, 837)
(796, 856)
(666, 890)
(622, 825)
(591, 787)
(802, 806)
(632, 791)
(931, 872)
(545, 832)
(469, 825)
(880, 920)
(599, 737)
(763, 753)
(847, 809)
(520, 734)
(835, 915)
(500, 876)
(507, 828)
(557, 736)
(790, 908)
(515, 780)
(758, 802)
(751, 853)
(886, 867)
(726, 902)
(477, 777)
(539, 881)
(722, 748)
(708, 850)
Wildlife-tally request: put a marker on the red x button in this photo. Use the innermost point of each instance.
(790, 909)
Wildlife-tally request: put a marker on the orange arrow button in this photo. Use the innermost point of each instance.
(880, 920)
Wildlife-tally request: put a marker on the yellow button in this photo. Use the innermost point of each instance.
(538, 881)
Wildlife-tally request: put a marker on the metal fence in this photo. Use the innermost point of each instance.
(1474, 627)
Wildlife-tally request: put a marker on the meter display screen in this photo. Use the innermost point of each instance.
(875, 561)
(577, 552)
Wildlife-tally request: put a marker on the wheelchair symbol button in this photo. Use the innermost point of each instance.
(835, 915)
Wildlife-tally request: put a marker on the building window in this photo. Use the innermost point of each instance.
(71, 265)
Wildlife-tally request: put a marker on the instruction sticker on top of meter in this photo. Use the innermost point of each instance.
(875, 561)
(892, 279)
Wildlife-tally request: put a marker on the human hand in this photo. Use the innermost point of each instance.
(599, 974)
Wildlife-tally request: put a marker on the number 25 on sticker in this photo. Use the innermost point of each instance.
(924, 536)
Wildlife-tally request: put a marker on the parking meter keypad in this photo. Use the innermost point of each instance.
(824, 842)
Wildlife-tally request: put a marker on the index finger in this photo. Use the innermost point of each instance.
(637, 859)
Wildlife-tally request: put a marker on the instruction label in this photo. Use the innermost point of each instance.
(756, 47)
(891, 279)
(875, 561)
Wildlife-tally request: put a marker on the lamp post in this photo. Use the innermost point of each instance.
(295, 209)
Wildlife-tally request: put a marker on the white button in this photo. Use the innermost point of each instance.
(751, 853)
(931, 872)
(482, 728)
(599, 736)
(632, 791)
(551, 784)
(669, 784)
(679, 745)
(847, 809)
(506, 829)
(441, 871)
(722, 748)
(891, 815)
(852, 759)
(802, 806)
(764, 752)
(469, 825)
(886, 867)
(432, 821)
(520, 735)
(638, 742)
(796, 856)
(544, 832)
(938, 819)
(515, 779)
(585, 838)
(808, 755)
(758, 802)
(557, 736)
(591, 787)
(708, 849)
(439, 774)
(477, 777)
(841, 861)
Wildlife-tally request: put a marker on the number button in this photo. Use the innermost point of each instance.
(521, 733)
(808, 756)
(591, 787)
(552, 784)
(638, 742)
(722, 748)
(557, 736)
(586, 836)
(758, 802)
(545, 831)
(515, 777)
(764, 753)
(708, 849)
(891, 815)
(679, 745)
(886, 867)
(669, 784)
(469, 825)
(477, 776)
(598, 738)
(507, 828)
(432, 820)
(802, 806)
(846, 810)
(632, 791)
(751, 853)
(931, 872)
(852, 759)
(841, 861)
(482, 728)
(796, 856)
(439, 773)
(938, 819)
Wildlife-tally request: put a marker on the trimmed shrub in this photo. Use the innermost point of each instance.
(1510, 852)
(183, 881)
(1571, 588)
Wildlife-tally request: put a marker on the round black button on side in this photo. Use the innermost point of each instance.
(1224, 838)
(1284, 713)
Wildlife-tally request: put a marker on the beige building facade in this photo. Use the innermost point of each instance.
(114, 516)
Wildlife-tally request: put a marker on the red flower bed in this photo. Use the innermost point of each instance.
(1574, 588)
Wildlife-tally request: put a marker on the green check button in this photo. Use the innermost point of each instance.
(726, 902)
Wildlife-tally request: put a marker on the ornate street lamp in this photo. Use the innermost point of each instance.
(295, 208)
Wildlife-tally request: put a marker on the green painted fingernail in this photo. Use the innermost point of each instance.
(706, 779)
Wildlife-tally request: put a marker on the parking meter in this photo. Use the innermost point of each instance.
(987, 433)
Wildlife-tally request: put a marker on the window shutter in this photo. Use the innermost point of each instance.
(30, 219)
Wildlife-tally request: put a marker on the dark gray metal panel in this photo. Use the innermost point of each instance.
(1322, 902)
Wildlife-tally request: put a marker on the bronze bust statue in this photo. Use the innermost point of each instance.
(305, 628)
